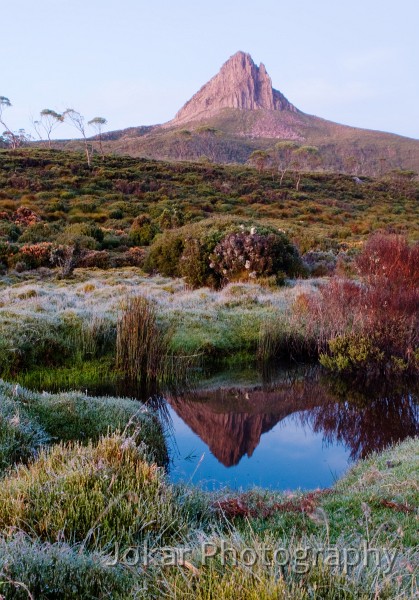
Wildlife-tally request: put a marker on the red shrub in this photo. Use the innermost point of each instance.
(372, 325)
(389, 259)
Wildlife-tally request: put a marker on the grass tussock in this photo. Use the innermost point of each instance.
(74, 416)
(34, 570)
(20, 435)
(97, 494)
(143, 347)
(233, 577)
(92, 494)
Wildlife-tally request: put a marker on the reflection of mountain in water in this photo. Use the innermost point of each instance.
(232, 421)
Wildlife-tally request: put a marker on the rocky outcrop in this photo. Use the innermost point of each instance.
(240, 84)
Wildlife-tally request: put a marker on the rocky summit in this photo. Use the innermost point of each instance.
(240, 84)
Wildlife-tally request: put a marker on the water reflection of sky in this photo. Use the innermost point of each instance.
(288, 456)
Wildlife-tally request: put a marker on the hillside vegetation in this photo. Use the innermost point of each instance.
(121, 204)
(232, 135)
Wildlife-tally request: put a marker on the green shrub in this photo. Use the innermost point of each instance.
(39, 232)
(52, 571)
(165, 254)
(84, 235)
(10, 232)
(142, 231)
(204, 255)
(352, 352)
(252, 254)
(195, 263)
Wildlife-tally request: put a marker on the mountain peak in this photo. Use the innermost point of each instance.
(240, 84)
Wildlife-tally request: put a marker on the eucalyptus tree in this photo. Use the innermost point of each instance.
(76, 119)
(260, 159)
(97, 123)
(8, 136)
(12, 139)
(305, 158)
(284, 156)
(48, 122)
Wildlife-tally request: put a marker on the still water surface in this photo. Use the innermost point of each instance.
(284, 430)
(295, 432)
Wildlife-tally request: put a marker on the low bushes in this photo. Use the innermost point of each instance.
(217, 251)
(372, 327)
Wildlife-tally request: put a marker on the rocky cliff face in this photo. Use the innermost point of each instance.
(239, 84)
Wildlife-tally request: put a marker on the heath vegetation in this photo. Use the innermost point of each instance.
(141, 271)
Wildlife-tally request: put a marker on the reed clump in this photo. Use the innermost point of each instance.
(141, 344)
(143, 347)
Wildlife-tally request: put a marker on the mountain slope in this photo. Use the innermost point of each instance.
(238, 111)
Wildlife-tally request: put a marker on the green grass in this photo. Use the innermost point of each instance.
(91, 494)
(107, 489)
(30, 418)
(53, 314)
(20, 434)
(31, 569)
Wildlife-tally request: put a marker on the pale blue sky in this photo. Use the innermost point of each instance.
(136, 62)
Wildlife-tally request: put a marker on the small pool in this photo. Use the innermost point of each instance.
(296, 434)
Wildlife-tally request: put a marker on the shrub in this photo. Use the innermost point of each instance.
(10, 232)
(165, 254)
(320, 263)
(85, 235)
(195, 262)
(213, 251)
(39, 232)
(142, 231)
(25, 216)
(372, 327)
(250, 255)
(390, 260)
(94, 259)
(36, 255)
